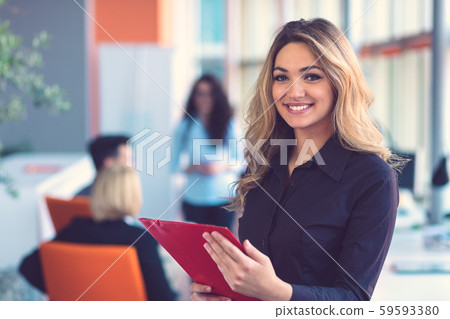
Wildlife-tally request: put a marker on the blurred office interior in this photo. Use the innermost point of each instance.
(128, 65)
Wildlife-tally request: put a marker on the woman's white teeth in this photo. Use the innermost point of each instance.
(299, 108)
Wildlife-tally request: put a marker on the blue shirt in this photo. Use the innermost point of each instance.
(191, 147)
(348, 206)
(87, 191)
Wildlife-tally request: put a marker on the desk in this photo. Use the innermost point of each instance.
(24, 221)
(408, 245)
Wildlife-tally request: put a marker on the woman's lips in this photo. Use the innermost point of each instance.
(298, 108)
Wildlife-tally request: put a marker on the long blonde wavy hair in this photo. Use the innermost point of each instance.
(351, 120)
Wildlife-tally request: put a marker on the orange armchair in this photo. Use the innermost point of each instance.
(91, 272)
(62, 211)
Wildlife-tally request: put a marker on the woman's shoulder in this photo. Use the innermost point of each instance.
(143, 237)
(232, 124)
(369, 160)
(185, 122)
(80, 222)
(186, 119)
(118, 226)
(369, 164)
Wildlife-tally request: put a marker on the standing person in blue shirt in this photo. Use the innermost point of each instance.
(211, 134)
(319, 215)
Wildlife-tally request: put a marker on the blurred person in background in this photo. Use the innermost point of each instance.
(106, 151)
(208, 105)
(115, 202)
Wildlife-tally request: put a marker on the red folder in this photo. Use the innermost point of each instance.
(184, 242)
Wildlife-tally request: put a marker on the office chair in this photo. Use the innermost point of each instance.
(62, 211)
(91, 272)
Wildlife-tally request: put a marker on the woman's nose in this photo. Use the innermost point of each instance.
(296, 89)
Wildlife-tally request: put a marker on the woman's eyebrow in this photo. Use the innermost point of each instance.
(279, 69)
(306, 68)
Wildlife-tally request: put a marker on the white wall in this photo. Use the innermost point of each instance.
(136, 93)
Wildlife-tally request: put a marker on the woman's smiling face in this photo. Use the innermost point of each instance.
(204, 102)
(305, 104)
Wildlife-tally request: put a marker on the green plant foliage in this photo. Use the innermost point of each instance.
(19, 81)
(21, 84)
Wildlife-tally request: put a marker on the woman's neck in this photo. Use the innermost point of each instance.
(204, 118)
(308, 144)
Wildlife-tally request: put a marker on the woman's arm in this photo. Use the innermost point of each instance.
(31, 265)
(31, 269)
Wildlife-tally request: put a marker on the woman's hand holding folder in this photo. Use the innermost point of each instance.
(251, 275)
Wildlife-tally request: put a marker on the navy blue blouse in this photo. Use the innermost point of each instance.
(329, 233)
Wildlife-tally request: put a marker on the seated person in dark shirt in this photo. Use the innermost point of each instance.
(116, 196)
(106, 151)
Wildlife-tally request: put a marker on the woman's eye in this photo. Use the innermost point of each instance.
(280, 78)
(312, 77)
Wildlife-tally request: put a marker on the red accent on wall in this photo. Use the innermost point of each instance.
(397, 46)
(391, 50)
(127, 21)
(136, 21)
(421, 42)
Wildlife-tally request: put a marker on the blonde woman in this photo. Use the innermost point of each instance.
(319, 201)
(116, 196)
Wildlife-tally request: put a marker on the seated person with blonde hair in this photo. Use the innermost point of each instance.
(116, 196)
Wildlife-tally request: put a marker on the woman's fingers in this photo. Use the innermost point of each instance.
(196, 287)
(208, 297)
(202, 293)
(217, 253)
(224, 248)
(250, 273)
(254, 253)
